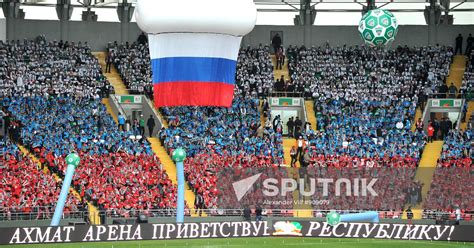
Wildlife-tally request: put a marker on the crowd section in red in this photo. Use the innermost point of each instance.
(120, 182)
(27, 190)
(205, 171)
(451, 188)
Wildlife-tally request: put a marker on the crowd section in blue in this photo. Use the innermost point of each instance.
(63, 124)
(225, 131)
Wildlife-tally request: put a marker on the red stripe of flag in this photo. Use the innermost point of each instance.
(193, 94)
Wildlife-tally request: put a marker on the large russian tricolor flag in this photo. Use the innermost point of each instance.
(193, 69)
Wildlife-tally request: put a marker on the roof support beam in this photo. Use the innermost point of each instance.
(11, 9)
(64, 9)
(457, 5)
(289, 4)
(125, 11)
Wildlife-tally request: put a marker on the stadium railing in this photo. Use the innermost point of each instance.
(469, 96)
(286, 94)
(112, 214)
(40, 215)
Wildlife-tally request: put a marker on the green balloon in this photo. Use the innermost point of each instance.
(179, 155)
(333, 218)
(73, 159)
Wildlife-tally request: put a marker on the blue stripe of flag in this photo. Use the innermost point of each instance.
(193, 69)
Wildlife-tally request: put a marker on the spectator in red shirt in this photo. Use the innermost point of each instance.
(430, 130)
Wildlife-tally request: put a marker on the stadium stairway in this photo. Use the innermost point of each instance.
(425, 172)
(310, 114)
(113, 77)
(418, 115)
(287, 144)
(262, 116)
(170, 168)
(456, 74)
(93, 211)
(456, 71)
(106, 102)
(301, 206)
(470, 110)
(278, 73)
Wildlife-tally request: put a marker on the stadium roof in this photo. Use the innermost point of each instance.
(276, 12)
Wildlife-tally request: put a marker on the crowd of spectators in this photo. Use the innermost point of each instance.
(63, 124)
(222, 133)
(343, 161)
(120, 183)
(451, 188)
(458, 149)
(25, 190)
(254, 76)
(52, 103)
(118, 170)
(394, 188)
(133, 63)
(214, 137)
(366, 98)
(42, 68)
(203, 170)
(467, 86)
(354, 73)
(231, 131)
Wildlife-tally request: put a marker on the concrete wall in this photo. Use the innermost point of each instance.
(98, 34)
(340, 35)
(3, 29)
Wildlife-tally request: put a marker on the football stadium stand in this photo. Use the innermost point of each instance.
(361, 115)
(389, 119)
(26, 189)
(293, 115)
(56, 120)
